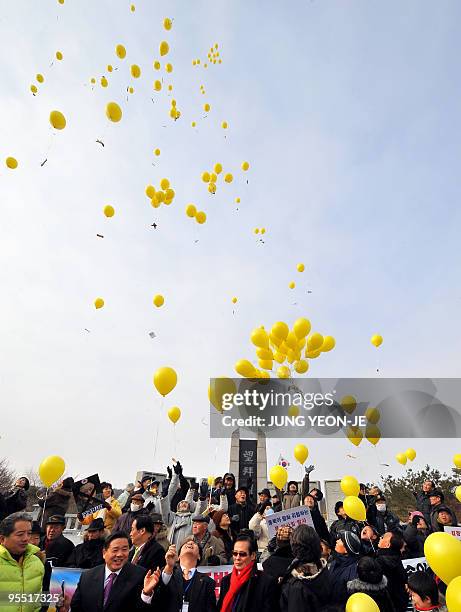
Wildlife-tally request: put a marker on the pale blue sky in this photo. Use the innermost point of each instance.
(349, 116)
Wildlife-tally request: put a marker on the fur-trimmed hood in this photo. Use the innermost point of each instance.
(308, 571)
(357, 585)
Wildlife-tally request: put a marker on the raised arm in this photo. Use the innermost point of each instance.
(306, 483)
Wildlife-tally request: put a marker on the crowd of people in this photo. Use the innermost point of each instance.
(142, 550)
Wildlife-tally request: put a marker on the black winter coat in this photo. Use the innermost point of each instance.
(423, 504)
(308, 593)
(414, 539)
(342, 570)
(391, 566)
(277, 564)
(378, 592)
(201, 593)
(259, 594)
(2, 507)
(319, 524)
(58, 550)
(385, 521)
(57, 502)
(244, 513)
(16, 500)
(152, 555)
(86, 555)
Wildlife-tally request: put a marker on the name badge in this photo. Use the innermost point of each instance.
(185, 606)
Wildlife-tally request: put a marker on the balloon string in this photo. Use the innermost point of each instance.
(158, 427)
(174, 439)
(44, 506)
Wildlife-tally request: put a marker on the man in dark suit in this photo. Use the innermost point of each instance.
(146, 551)
(57, 548)
(115, 586)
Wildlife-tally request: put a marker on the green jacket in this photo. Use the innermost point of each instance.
(16, 578)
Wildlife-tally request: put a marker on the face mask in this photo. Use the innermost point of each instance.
(135, 507)
(269, 511)
(381, 507)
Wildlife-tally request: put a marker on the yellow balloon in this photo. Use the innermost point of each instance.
(453, 594)
(113, 112)
(372, 415)
(191, 210)
(283, 372)
(245, 166)
(376, 340)
(210, 480)
(59, 55)
(157, 85)
(354, 508)
(98, 303)
(234, 300)
(348, 404)
(51, 469)
(293, 411)
(229, 178)
(164, 48)
(443, 553)
(457, 461)
(291, 341)
(57, 120)
(245, 368)
(218, 388)
(11, 163)
(264, 353)
(120, 51)
(301, 453)
(157, 152)
(164, 183)
(169, 68)
(274, 340)
(312, 354)
(279, 358)
(33, 89)
(135, 71)
(224, 125)
(278, 476)
(200, 217)
(109, 211)
(292, 285)
(265, 364)
(158, 300)
(300, 267)
(410, 454)
(373, 434)
(174, 414)
(458, 493)
(315, 341)
(165, 380)
(301, 366)
(350, 486)
(104, 82)
(212, 188)
(301, 327)
(361, 602)
(329, 343)
(354, 435)
(280, 330)
(157, 65)
(206, 107)
(132, 8)
(260, 338)
(167, 23)
(109, 68)
(401, 458)
(40, 78)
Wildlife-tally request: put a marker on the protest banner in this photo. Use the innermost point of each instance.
(455, 531)
(63, 582)
(301, 515)
(88, 495)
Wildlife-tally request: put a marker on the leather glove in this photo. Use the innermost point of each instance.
(309, 468)
(177, 468)
(203, 490)
(165, 485)
(169, 472)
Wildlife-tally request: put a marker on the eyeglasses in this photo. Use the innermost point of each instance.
(236, 553)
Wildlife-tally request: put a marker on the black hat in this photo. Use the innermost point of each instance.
(380, 497)
(96, 525)
(437, 493)
(351, 542)
(56, 519)
(144, 478)
(156, 518)
(36, 528)
(242, 488)
(199, 518)
(338, 505)
(265, 492)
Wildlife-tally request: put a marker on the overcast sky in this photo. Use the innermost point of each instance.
(349, 114)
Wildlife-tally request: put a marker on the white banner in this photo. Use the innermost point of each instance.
(415, 565)
(455, 531)
(301, 515)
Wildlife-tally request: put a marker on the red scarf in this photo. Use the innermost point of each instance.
(236, 583)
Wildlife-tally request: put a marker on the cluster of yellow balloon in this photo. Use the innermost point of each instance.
(354, 434)
(163, 195)
(278, 476)
(165, 380)
(294, 346)
(51, 469)
(259, 230)
(409, 454)
(211, 177)
(174, 112)
(212, 56)
(353, 506)
(193, 213)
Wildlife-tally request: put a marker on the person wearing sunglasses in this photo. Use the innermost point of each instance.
(246, 588)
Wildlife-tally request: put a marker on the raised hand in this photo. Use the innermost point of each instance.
(308, 468)
(171, 556)
(150, 581)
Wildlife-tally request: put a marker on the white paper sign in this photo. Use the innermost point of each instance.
(455, 531)
(301, 515)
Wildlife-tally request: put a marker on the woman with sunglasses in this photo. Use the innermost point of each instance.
(246, 588)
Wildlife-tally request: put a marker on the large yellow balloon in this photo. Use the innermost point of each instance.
(265, 364)
(410, 454)
(98, 303)
(443, 553)
(280, 330)
(301, 327)
(329, 343)
(51, 469)
(218, 388)
(301, 366)
(354, 435)
(453, 594)
(457, 460)
(376, 340)
(174, 414)
(245, 368)
(315, 341)
(401, 458)
(260, 338)
(113, 112)
(283, 372)
(361, 602)
(279, 476)
(57, 120)
(165, 380)
(373, 434)
(301, 453)
(354, 508)
(458, 493)
(372, 415)
(350, 486)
